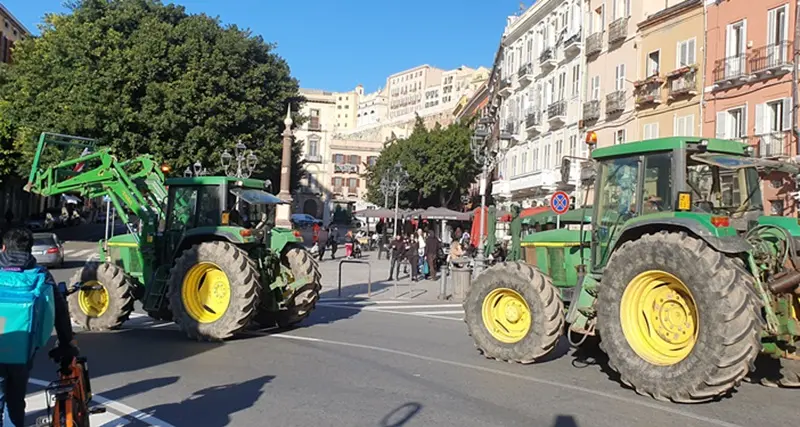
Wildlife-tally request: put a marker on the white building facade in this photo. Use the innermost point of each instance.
(540, 101)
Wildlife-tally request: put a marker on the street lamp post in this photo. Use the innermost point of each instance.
(488, 159)
(395, 178)
(386, 187)
(284, 211)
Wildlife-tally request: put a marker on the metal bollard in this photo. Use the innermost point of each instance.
(443, 285)
(369, 274)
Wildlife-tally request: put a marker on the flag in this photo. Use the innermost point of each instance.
(79, 167)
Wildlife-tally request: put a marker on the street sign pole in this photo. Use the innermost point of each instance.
(559, 203)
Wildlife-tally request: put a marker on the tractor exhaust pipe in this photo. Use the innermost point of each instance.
(785, 282)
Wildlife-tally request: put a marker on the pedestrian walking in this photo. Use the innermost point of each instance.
(398, 247)
(348, 244)
(413, 258)
(322, 242)
(333, 241)
(431, 253)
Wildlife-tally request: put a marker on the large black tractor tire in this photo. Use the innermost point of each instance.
(678, 288)
(101, 309)
(192, 310)
(302, 302)
(529, 298)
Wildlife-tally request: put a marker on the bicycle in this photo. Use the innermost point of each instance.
(71, 393)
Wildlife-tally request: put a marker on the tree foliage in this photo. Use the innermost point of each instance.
(144, 77)
(439, 163)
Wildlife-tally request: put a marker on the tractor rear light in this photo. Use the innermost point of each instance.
(52, 251)
(296, 233)
(720, 221)
(246, 232)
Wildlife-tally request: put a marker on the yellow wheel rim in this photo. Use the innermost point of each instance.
(506, 315)
(93, 302)
(206, 292)
(659, 318)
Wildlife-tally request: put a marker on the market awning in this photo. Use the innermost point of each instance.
(446, 214)
(375, 213)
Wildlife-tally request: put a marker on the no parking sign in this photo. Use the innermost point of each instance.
(559, 203)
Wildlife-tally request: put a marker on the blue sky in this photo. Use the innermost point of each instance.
(337, 44)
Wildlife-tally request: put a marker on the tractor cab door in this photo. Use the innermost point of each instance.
(628, 187)
(191, 207)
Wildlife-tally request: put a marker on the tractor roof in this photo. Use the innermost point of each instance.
(217, 180)
(671, 143)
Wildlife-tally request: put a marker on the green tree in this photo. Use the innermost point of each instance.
(439, 163)
(144, 77)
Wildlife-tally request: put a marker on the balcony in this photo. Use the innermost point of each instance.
(314, 124)
(316, 158)
(547, 60)
(731, 71)
(615, 102)
(345, 168)
(770, 60)
(572, 45)
(591, 110)
(338, 189)
(648, 92)
(618, 31)
(509, 129)
(557, 113)
(594, 44)
(501, 188)
(682, 82)
(773, 144)
(533, 123)
(525, 74)
(505, 87)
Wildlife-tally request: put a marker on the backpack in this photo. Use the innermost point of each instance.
(27, 313)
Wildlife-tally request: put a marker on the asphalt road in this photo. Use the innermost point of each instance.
(390, 365)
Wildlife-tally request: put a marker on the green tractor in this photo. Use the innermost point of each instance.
(679, 274)
(203, 251)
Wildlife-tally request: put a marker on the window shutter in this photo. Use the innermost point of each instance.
(721, 125)
(772, 16)
(688, 125)
(787, 114)
(760, 119)
(691, 52)
(677, 122)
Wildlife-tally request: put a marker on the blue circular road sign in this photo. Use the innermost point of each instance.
(559, 203)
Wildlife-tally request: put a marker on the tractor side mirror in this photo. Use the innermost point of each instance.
(566, 165)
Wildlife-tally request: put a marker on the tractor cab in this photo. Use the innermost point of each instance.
(238, 210)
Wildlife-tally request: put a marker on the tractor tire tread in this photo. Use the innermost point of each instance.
(120, 290)
(547, 312)
(245, 289)
(730, 334)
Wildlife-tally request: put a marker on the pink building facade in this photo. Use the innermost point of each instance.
(748, 84)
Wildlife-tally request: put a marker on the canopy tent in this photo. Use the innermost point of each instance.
(533, 211)
(445, 214)
(375, 213)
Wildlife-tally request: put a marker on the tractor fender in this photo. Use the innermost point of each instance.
(724, 244)
(198, 235)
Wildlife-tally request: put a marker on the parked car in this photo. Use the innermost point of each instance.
(305, 220)
(48, 249)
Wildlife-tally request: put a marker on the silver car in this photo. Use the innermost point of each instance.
(48, 249)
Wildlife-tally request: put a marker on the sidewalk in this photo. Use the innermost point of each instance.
(355, 278)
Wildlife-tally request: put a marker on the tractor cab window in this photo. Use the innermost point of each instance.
(617, 188)
(194, 206)
(249, 207)
(717, 187)
(657, 191)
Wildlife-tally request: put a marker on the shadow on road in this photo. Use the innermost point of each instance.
(401, 415)
(565, 421)
(127, 350)
(213, 406)
(139, 387)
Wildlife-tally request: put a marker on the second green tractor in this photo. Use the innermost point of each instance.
(679, 274)
(203, 251)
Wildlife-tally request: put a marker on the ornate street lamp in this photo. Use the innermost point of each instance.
(245, 163)
(488, 158)
(386, 188)
(196, 169)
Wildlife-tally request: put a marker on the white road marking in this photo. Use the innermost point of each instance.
(362, 302)
(385, 310)
(439, 312)
(535, 380)
(115, 414)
